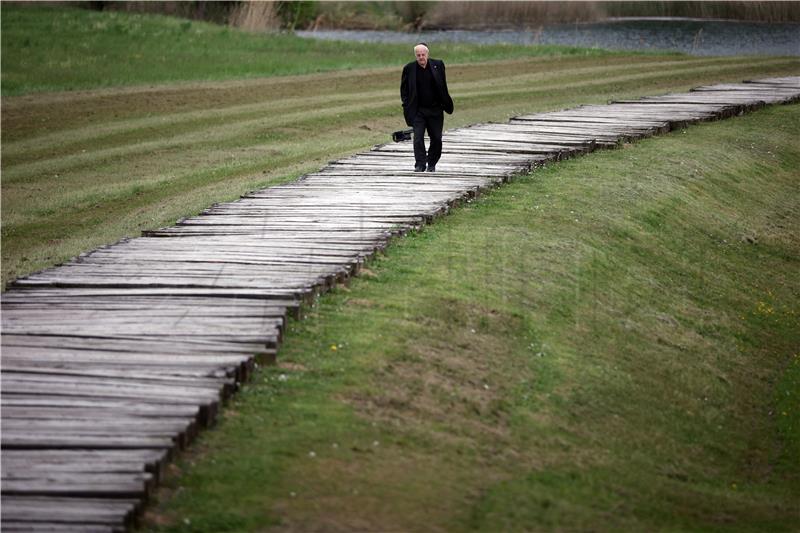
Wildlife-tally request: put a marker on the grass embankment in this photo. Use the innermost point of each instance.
(82, 169)
(610, 343)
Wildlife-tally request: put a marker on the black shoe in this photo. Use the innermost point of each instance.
(419, 168)
(431, 168)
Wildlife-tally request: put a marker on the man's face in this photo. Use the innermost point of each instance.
(422, 55)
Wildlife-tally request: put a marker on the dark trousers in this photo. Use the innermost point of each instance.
(432, 120)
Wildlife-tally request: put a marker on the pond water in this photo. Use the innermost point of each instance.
(691, 36)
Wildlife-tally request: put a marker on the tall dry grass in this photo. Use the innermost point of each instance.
(762, 11)
(216, 12)
(255, 16)
(465, 14)
(412, 15)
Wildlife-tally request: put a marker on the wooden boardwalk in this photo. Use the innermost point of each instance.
(115, 360)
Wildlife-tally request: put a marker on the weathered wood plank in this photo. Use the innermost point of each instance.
(135, 344)
(116, 441)
(136, 370)
(81, 485)
(75, 511)
(13, 526)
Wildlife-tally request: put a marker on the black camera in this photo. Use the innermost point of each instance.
(402, 135)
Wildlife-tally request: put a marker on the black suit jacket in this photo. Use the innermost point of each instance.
(408, 88)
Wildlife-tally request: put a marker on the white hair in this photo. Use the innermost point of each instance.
(423, 46)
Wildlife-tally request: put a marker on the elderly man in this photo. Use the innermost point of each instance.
(423, 91)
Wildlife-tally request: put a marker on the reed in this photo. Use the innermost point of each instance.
(731, 10)
(415, 15)
(255, 16)
(467, 15)
(475, 15)
(363, 15)
(216, 12)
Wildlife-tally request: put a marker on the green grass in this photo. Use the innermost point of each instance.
(609, 343)
(86, 168)
(54, 49)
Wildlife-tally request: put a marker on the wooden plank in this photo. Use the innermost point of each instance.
(14, 416)
(81, 485)
(132, 460)
(120, 405)
(53, 355)
(164, 370)
(104, 394)
(112, 441)
(13, 526)
(75, 511)
(134, 344)
(160, 426)
(168, 292)
(72, 385)
(148, 457)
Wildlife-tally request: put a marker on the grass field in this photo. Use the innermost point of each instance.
(53, 49)
(609, 343)
(85, 168)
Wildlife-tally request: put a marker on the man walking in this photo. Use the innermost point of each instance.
(423, 91)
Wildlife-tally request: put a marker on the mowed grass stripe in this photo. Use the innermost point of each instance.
(467, 79)
(199, 139)
(108, 129)
(205, 141)
(202, 130)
